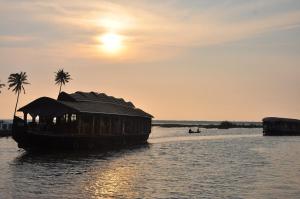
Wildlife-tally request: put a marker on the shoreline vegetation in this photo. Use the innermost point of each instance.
(175, 124)
(221, 125)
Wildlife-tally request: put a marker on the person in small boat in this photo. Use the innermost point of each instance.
(191, 131)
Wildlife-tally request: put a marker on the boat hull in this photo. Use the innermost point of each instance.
(274, 126)
(30, 140)
(281, 132)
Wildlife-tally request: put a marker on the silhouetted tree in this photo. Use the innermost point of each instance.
(1, 86)
(226, 125)
(61, 78)
(16, 81)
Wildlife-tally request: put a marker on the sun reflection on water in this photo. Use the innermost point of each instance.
(113, 182)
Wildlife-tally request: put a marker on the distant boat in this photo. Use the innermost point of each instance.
(274, 126)
(81, 120)
(5, 128)
(191, 131)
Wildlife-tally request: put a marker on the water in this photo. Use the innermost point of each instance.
(236, 163)
(195, 122)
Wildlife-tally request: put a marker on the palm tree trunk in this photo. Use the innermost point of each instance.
(17, 103)
(60, 88)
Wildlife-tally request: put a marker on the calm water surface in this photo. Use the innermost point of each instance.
(237, 163)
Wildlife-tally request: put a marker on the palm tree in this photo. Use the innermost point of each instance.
(61, 78)
(1, 85)
(17, 81)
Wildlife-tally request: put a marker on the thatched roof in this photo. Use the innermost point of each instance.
(47, 106)
(80, 102)
(93, 97)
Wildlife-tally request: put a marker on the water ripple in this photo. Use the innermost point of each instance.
(238, 163)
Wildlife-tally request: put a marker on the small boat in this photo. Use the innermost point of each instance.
(191, 131)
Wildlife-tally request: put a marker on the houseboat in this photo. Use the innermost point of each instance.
(274, 126)
(81, 120)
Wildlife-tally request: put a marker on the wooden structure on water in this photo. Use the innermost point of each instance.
(5, 128)
(81, 120)
(273, 126)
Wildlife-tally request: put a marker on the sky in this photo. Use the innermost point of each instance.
(176, 59)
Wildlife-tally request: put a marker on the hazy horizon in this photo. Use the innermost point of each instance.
(178, 60)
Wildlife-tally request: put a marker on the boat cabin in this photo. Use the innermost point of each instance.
(84, 113)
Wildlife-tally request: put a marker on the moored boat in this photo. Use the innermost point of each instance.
(274, 126)
(81, 120)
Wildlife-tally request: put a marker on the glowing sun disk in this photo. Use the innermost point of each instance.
(111, 42)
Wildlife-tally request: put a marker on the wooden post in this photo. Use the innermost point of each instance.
(93, 127)
(100, 130)
(123, 126)
(79, 123)
(109, 125)
(25, 118)
(69, 118)
(33, 118)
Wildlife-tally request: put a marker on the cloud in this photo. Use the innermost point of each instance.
(12, 38)
(149, 27)
(213, 26)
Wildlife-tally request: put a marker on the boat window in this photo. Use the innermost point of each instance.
(66, 117)
(73, 117)
(29, 118)
(37, 119)
(54, 120)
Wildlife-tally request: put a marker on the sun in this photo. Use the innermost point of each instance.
(111, 42)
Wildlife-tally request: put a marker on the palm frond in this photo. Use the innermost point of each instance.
(16, 82)
(62, 77)
(1, 86)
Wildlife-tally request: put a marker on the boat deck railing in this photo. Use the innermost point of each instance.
(54, 128)
(70, 127)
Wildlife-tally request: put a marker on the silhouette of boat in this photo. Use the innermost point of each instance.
(274, 126)
(81, 120)
(191, 131)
